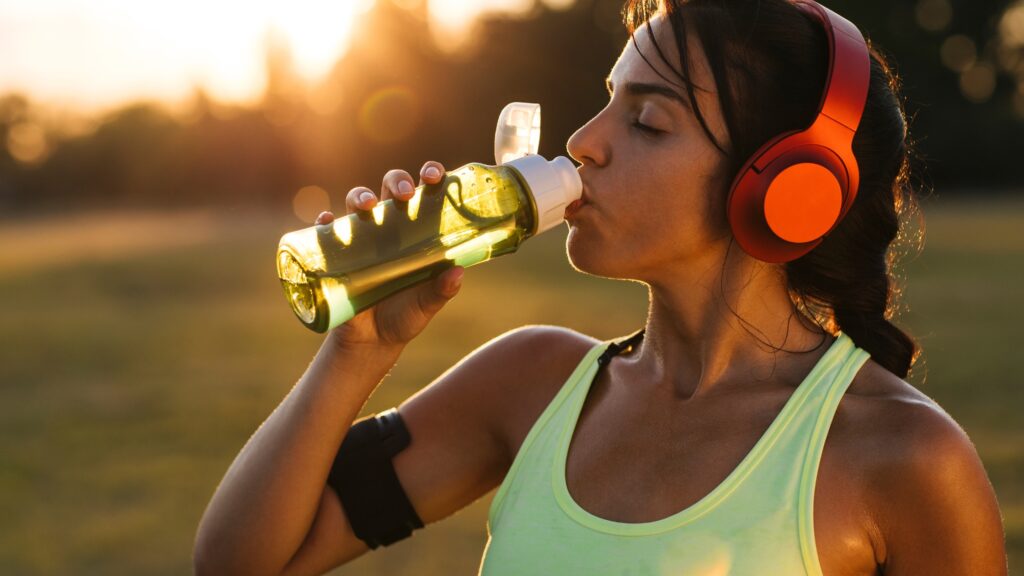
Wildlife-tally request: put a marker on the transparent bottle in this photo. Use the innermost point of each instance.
(331, 272)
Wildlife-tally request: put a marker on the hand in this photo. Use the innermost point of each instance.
(399, 318)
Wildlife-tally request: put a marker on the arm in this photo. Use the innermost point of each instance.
(938, 510)
(458, 451)
(262, 510)
(272, 499)
(274, 514)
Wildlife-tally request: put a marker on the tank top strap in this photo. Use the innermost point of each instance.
(815, 430)
(578, 385)
(793, 443)
(830, 378)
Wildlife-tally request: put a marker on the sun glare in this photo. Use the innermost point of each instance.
(97, 54)
(317, 31)
(452, 19)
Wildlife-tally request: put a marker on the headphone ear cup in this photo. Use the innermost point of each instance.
(803, 202)
(782, 211)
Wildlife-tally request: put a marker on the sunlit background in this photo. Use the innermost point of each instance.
(90, 55)
(152, 153)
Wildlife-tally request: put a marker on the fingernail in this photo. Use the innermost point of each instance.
(366, 197)
(405, 187)
(457, 277)
(432, 173)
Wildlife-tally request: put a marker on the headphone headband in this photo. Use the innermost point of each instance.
(798, 186)
(846, 92)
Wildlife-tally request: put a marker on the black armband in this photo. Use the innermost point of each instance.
(363, 475)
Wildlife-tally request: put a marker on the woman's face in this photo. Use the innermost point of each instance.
(655, 201)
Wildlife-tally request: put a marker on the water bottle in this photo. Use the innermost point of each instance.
(331, 272)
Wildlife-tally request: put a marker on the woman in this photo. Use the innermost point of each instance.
(758, 424)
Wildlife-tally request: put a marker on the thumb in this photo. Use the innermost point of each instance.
(437, 293)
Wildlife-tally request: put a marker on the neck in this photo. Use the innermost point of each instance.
(726, 328)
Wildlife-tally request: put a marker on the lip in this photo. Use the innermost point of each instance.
(583, 190)
(579, 203)
(574, 208)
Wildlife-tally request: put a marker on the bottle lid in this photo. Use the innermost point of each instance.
(554, 185)
(518, 132)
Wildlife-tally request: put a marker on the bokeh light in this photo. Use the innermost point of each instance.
(1009, 50)
(978, 83)
(26, 142)
(389, 115)
(958, 53)
(1009, 57)
(1011, 25)
(309, 202)
(934, 15)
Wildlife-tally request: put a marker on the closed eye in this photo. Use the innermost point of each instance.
(646, 129)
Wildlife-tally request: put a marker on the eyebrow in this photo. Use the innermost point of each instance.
(642, 89)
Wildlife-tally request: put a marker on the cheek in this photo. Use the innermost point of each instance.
(709, 183)
(685, 210)
(669, 206)
(719, 184)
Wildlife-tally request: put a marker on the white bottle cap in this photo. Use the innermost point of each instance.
(518, 132)
(554, 185)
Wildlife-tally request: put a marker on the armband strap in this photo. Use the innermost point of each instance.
(363, 475)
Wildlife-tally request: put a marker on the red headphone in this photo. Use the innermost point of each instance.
(797, 187)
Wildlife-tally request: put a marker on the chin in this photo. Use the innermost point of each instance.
(587, 255)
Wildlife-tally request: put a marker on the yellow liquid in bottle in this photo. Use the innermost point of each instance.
(332, 272)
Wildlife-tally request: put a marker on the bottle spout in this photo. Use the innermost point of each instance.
(553, 184)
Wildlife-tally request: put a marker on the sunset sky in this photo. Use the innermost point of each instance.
(95, 54)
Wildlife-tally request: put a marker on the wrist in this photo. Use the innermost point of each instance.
(357, 369)
(338, 345)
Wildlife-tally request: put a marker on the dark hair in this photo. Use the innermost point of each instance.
(769, 60)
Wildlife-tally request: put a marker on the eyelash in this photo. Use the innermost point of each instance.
(646, 129)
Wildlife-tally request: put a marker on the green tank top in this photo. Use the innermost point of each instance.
(759, 520)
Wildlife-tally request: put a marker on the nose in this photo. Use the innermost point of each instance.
(586, 145)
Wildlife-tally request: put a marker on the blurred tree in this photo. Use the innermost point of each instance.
(396, 100)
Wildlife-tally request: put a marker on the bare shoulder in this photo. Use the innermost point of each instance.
(535, 362)
(922, 481)
(537, 349)
(463, 424)
(503, 385)
(896, 423)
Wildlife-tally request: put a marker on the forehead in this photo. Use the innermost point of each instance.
(640, 60)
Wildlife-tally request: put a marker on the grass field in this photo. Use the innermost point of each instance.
(140, 351)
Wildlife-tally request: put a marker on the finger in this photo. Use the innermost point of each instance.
(432, 296)
(432, 172)
(452, 280)
(359, 198)
(397, 184)
(325, 218)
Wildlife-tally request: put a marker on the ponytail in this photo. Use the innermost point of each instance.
(849, 279)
